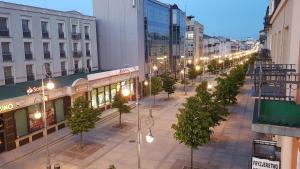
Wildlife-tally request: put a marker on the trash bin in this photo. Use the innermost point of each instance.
(56, 166)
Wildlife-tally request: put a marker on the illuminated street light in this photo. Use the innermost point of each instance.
(209, 86)
(146, 83)
(37, 115)
(198, 67)
(182, 72)
(149, 137)
(155, 68)
(50, 85)
(182, 57)
(125, 92)
(189, 61)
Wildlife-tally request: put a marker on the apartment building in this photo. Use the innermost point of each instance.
(217, 46)
(277, 108)
(142, 33)
(194, 39)
(64, 42)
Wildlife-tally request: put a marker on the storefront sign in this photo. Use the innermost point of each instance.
(6, 107)
(32, 90)
(258, 163)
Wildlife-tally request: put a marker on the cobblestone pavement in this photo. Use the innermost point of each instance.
(230, 146)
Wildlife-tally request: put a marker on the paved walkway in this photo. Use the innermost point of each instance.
(230, 147)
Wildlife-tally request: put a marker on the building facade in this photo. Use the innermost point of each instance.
(151, 33)
(64, 42)
(194, 39)
(218, 46)
(281, 36)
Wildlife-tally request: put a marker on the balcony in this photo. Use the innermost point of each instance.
(64, 73)
(77, 54)
(61, 35)
(62, 54)
(28, 55)
(76, 36)
(9, 80)
(4, 32)
(47, 55)
(277, 117)
(88, 53)
(45, 34)
(26, 34)
(87, 36)
(7, 57)
(30, 77)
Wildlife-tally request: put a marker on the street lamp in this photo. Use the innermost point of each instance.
(198, 68)
(38, 114)
(184, 81)
(149, 137)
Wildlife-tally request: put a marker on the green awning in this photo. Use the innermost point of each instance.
(19, 89)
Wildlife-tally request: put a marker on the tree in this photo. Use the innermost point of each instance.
(82, 118)
(193, 127)
(192, 74)
(156, 86)
(213, 66)
(120, 103)
(168, 85)
(210, 104)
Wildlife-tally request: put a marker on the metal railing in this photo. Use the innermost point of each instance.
(26, 34)
(45, 34)
(77, 54)
(7, 57)
(28, 55)
(9, 80)
(76, 36)
(47, 55)
(61, 35)
(4, 32)
(62, 54)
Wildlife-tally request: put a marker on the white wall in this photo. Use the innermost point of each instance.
(120, 33)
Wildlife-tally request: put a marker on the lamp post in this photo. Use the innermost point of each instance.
(165, 60)
(50, 85)
(184, 67)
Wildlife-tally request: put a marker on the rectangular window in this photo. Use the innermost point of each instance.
(46, 47)
(21, 122)
(61, 46)
(5, 47)
(60, 27)
(107, 94)
(29, 71)
(101, 98)
(88, 64)
(47, 68)
(63, 68)
(3, 23)
(25, 25)
(113, 91)
(74, 28)
(75, 45)
(27, 46)
(44, 25)
(86, 29)
(35, 124)
(94, 98)
(87, 48)
(8, 71)
(59, 110)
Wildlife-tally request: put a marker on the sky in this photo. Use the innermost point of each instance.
(235, 19)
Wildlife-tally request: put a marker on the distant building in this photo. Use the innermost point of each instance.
(194, 39)
(219, 46)
(65, 42)
(141, 34)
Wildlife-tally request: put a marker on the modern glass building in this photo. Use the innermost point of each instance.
(164, 35)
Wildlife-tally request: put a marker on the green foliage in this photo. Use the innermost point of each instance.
(213, 66)
(120, 103)
(210, 104)
(194, 125)
(168, 85)
(83, 117)
(192, 74)
(156, 85)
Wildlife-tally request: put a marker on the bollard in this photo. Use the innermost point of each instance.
(56, 166)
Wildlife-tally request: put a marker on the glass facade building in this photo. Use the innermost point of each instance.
(164, 26)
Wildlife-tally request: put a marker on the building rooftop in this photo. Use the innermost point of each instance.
(27, 8)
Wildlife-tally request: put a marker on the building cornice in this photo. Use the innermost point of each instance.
(278, 10)
(45, 11)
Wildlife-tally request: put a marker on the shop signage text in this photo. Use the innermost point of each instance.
(6, 107)
(32, 90)
(258, 163)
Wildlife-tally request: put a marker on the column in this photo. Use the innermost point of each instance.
(286, 152)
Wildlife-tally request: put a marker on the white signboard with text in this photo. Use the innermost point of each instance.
(258, 163)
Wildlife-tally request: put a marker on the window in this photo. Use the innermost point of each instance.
(75, 47)
(3, 23)
(87, 47)
(46, 50)
(61, 34)
(63, 68)
(86, 32)
(6, 51)
(27, 50)
(3, 27)
(44, 26)
(190, 36)
(29, 71)
(21, 122)
(48, 69)
(25, 28)
(9, 79)
(74, 28)
(88, 65)
(62, 50)
(59, 110)
(45, 33)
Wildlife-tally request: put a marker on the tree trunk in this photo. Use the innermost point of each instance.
(81, 141)
(120, 119)
(168, 96)
(192, 158)
(153, 100)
